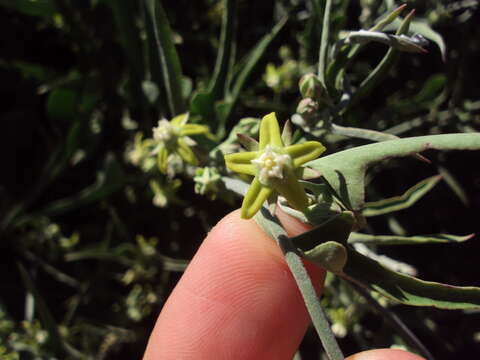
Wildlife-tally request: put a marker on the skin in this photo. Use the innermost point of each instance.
(238, 300)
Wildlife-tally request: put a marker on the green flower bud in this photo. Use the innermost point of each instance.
(310, 86)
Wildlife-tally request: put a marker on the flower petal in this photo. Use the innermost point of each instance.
(162, 159)
(242, 162)
(270, 132)
(254, 199)
(193, 129)
(186, 153)
(302, 153)
(291, 189)
(179, 120)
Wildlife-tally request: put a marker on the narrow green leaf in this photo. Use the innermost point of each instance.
(44, 8)
(246, 70)
(410, 197)
(405, 240)
(218, 83)
(124, 14)
(348, 52)
(381, 70)
(158, 28)
(322, 57)
(367, 134)
(408, 289)
(360, 133)
(345, 170)
(453, 183)
(380, 25)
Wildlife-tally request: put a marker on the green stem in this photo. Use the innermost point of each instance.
(312, 302)
(271, 225)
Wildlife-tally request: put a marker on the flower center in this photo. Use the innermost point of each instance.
(270, 164)
(164, 131)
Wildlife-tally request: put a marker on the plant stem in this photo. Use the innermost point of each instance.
(271, 225)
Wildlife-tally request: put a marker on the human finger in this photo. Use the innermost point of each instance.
(236, 300)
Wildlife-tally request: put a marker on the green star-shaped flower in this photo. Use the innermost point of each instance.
(172, 137)
(273, 166)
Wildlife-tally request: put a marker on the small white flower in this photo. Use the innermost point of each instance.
(164, 131)
(339, 330)
(270, 164)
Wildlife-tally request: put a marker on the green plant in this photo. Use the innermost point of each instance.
(104, 164)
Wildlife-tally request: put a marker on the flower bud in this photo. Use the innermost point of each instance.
(307, 108)
(310, 86)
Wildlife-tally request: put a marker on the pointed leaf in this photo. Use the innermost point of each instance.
(270, 132)
(248, 142)
(158, 29)
(323, 244)
(405, 240)
(381, 70)
(219, 81)
(345, 170)
(256, 195)
(307, 151)
(252, 60)
(408, 289)
(337, 229)
(389, 19)
(287, 133)
(323, 54)
(242, 162)
(410, 197)
(331, 255)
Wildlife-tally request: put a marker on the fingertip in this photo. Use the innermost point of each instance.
(385, 354)
(237, 299)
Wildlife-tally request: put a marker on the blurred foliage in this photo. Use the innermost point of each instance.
(94, 236)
